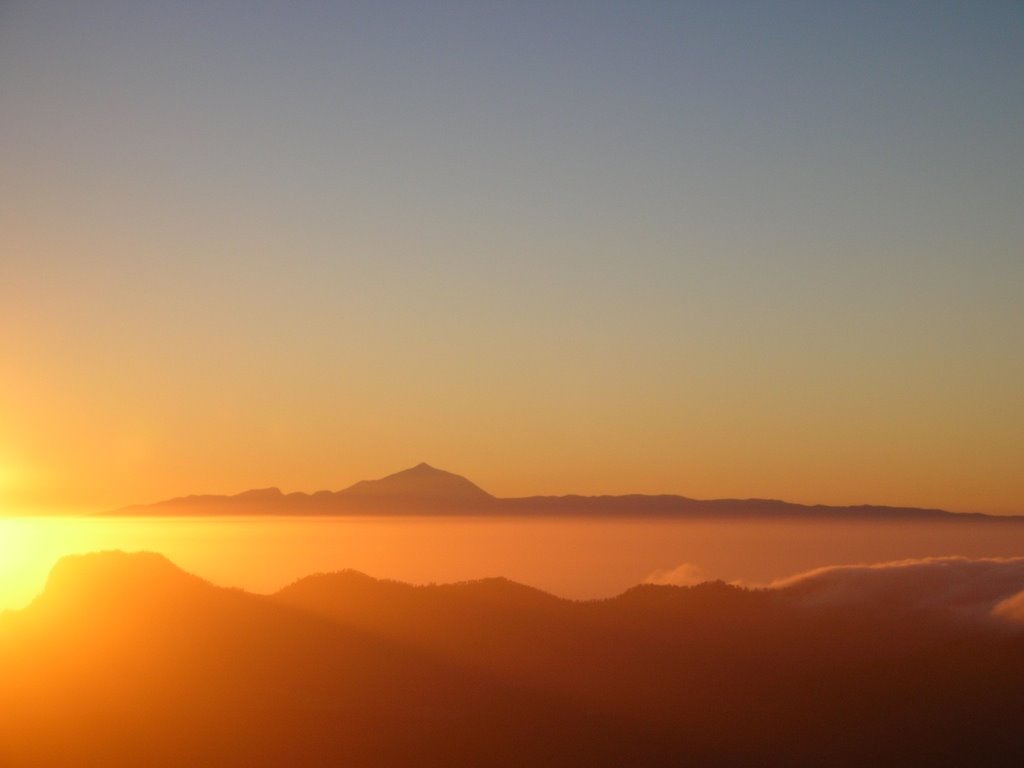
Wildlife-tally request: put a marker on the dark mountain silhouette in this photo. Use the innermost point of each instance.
(424, 490)
(419, 490)
(125, 660)
(421, 483)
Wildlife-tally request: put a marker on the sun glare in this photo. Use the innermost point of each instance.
(8, 478)
(28, 549)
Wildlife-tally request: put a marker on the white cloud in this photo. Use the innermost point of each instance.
(968, 587)
(684, 575)
(1011, 609)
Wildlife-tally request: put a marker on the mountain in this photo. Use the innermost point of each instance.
(421, 483)
(125, 660)
(419, 490)
(425, 490)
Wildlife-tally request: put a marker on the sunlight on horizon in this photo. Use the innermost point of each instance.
(575, 558)
(23, 560)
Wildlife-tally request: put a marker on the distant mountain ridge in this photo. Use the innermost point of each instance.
(426, 490)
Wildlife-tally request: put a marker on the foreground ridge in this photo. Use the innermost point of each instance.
(127, 660)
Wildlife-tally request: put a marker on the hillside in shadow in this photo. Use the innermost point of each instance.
(125, 660)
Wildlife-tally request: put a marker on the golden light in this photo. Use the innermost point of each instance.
(29, 546)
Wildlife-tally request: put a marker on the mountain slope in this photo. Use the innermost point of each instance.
(421, 483)
(126, 660)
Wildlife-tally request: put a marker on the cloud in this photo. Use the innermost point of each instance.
(1011, 609)
(983, 587)
(684, 575)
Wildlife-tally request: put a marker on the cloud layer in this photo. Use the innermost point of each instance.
(985, 587)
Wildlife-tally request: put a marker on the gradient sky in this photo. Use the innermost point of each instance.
(718, 249)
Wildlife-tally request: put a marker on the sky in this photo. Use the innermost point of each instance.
(743, 249)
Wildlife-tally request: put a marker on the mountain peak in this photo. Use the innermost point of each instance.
(260, 493)
(420, 482)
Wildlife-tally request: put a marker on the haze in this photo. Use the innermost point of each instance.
(574, 558)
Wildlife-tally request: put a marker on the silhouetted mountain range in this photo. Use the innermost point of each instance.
(124, 660)
(424, 490)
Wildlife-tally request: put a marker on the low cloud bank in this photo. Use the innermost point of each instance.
(684, 575)
(1011, 609)
(979, 588)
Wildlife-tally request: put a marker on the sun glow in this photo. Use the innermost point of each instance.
(29, 546)
(16, 556)
(11, 477)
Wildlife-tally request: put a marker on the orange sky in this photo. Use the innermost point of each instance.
(106, 443)
(553, 251)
